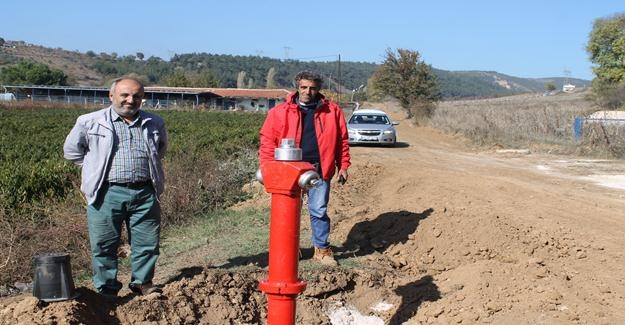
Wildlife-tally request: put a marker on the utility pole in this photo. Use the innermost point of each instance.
(339, 82)
(286, 52)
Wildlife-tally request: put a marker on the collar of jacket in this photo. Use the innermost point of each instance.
(292, 101)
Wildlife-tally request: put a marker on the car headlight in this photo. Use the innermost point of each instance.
(351, 131)
(388, 132)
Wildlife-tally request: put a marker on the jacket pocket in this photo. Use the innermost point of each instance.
(95, 138)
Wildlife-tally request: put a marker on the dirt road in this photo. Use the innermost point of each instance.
(437, 234)
(507, 237)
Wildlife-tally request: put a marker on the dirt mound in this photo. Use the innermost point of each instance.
(202, 296)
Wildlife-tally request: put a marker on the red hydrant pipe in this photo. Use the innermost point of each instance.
(282, 286)
(284, 180)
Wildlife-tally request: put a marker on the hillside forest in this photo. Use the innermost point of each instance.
(230, 71)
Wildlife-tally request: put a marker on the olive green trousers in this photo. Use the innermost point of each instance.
(139, 210)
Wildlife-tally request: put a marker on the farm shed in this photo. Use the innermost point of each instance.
(160, 97)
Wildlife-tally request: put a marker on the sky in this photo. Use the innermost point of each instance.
(528, 39)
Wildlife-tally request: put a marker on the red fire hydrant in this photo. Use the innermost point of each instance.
(284, 178)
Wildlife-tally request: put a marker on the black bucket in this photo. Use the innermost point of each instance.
(53, 277)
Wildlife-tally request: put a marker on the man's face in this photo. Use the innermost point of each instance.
(126, 98)
(308, 91)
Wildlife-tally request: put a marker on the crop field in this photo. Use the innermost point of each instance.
(211, 154)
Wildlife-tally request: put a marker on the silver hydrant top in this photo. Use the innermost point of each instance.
(287, 151)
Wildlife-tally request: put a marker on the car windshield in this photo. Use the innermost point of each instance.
(368, 119)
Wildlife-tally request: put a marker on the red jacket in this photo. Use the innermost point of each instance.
(284, 121)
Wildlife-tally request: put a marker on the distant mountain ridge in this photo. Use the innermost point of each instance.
(91, 69)
(479, 84)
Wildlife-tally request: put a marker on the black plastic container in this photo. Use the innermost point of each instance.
(53, 277)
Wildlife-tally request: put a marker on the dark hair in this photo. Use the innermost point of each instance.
(309, 75)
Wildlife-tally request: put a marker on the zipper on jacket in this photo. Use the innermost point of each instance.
(320, 124)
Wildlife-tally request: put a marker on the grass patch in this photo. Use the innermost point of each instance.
(235, 239)
(222, 236)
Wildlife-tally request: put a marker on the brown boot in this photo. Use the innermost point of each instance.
(324, 256)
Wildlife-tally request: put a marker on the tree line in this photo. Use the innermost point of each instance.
(606, 47)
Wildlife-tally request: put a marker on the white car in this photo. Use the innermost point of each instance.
(371, 126)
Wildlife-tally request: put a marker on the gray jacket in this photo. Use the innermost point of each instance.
(90, 145)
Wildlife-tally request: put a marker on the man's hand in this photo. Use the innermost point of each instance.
(342, 176)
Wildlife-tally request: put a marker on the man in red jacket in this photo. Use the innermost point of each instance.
(318, 127)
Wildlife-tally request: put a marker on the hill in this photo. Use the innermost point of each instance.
(481, 84)
(91, 69)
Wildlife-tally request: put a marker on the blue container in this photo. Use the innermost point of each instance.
(53, 277)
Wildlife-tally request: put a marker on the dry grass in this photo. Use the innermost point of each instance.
(532, 121)
(51, 228)
(603, 139)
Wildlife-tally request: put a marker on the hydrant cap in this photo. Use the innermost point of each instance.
(309, 179)
(287, 151)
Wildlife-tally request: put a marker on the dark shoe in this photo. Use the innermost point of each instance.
(108, 294)
(144, 289)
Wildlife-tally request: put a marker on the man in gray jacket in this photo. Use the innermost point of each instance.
(120, 151)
